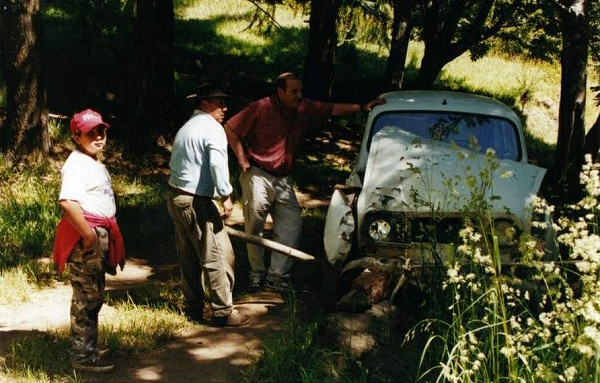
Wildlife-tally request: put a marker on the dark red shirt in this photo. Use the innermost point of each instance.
(272, 135)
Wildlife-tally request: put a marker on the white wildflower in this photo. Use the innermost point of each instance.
(570, 373)
(508, 351)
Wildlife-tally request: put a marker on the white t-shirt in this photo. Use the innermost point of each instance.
(86, 181)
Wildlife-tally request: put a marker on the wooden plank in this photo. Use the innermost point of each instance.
(271, 245)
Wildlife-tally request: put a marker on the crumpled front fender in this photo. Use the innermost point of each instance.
(339, 228)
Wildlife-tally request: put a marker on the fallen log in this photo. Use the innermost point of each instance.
(268, 244)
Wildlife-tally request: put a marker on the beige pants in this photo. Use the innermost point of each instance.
(264, 194)
(204, 251)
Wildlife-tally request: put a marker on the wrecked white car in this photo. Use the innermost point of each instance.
(425, 159)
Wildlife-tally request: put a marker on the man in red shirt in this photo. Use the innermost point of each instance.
(266, 136)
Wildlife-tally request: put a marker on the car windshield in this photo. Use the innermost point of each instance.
(488, 131)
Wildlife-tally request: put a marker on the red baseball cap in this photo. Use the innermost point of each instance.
(86, 120)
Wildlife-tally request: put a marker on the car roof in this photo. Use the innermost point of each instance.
(447, 101)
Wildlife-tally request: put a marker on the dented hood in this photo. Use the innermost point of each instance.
(403, 168)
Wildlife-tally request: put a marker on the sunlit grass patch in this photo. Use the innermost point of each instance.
(233, 33)
(135, 192)
(242, 10)
(39, 357)
(127, 329)
(500, 75)
(160, 295)
(136, 329)
(15, 286)
(232, 29)
(210, 9)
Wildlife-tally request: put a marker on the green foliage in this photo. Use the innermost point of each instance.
(535, 34)
(296, 354)
(2, 95)
(535, 321)
(86, 71)
(364, 21)
(142, 216)
(28, 211)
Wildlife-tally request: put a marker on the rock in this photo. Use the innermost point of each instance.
(361, 333)
(376, 285)
(355, 302)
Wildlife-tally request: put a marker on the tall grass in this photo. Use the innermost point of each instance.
(536, 321)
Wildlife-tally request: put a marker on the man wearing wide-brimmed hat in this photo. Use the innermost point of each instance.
(199, 177)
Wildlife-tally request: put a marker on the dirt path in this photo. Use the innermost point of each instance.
(201, 353)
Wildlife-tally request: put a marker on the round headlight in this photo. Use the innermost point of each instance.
(506, 233)
(379, 230)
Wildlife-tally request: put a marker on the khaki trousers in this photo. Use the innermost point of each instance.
(204, 251)
(264, 194)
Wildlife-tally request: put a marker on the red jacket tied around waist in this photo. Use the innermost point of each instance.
(67, 237)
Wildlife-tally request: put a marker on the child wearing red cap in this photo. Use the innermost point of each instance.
(87, 237)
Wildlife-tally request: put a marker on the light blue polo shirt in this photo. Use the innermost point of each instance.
(199, 162)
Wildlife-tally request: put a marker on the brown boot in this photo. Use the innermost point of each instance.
(235, 319)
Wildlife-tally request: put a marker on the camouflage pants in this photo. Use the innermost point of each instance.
(87, 275)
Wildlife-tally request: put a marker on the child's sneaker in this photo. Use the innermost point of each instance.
(93, 365)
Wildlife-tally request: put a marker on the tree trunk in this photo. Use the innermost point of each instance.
(25, 132)
(322, 41)
(571, 127)
(431, 65)
(401, 29)
(451, 28)
(439, 27)
(88, 74)
(592, 140)
(151, 78)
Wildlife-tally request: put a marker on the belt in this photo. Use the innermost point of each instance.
(271, 172)
(180, 191)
